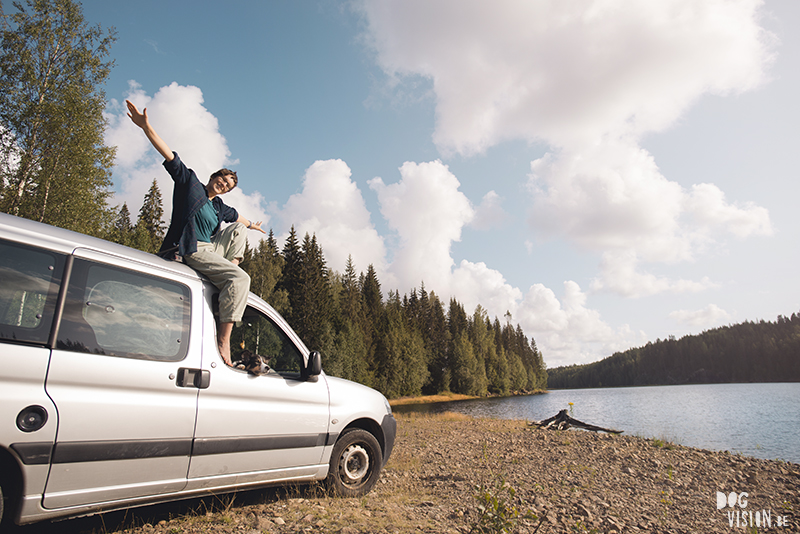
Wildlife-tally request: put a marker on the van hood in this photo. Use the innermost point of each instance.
(355, 398)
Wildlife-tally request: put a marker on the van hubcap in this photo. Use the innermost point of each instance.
(354, 463)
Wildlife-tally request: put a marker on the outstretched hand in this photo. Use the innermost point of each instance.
(257, 226)
(139, 119)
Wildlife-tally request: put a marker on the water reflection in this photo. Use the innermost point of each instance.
(760, 420)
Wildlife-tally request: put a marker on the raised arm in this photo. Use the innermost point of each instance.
(140, 120)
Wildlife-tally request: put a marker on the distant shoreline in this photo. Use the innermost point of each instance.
(450, 397)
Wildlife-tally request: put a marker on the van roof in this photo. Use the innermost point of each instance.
(66, 241)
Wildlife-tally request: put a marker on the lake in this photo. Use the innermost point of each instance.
(759, 420)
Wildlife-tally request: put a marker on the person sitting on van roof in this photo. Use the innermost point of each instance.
(194, 231)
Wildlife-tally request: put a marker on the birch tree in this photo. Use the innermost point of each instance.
(54, 166)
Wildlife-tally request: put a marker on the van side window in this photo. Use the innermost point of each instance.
(123, 313)
(29, 282)
(260, 335)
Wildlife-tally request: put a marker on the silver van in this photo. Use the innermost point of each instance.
(113, 393)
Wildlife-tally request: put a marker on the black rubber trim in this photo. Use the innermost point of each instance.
(38, 453)
(62, 297)
(207, 446)
(98, 451)
(34, 453)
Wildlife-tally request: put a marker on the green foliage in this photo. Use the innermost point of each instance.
(122, 230)
(403, 346)
(469, 377)
(348, 357)
(54, 167)
(663, 444)
(289, 281)
(148, 232)
(497, 511)
(400, 352)
(495, 365)
(265, 265)
(747, 352)
(312, 306)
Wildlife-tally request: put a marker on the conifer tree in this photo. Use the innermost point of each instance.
(495, 363)
(400, 353)
(312, 307)
(437, 342)
(290, 277)
(264, 265)
(468, 374)
(457, 321)
(373, 311)
(348, 358)
(150, 221)
(373, 298)
(351, 300)
(122, 230)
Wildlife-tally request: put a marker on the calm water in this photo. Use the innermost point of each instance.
(760, 420)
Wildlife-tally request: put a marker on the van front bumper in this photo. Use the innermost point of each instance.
(389, 427)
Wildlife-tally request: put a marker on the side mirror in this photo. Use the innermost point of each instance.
(314, 365)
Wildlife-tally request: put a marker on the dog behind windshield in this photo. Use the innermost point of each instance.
(252, 363)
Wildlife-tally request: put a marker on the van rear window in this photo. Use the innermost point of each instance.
(29, 283)
(117, 312)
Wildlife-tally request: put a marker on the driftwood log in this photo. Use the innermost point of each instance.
(563, 421)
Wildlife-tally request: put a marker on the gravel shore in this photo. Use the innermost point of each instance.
(534, 480)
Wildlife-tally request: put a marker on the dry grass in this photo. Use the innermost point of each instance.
(441, 397)
(442, 416)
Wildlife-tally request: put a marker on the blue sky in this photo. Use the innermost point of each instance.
(610, 172)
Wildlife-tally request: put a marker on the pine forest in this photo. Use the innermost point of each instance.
(747, 352)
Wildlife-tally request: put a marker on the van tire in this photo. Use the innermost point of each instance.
(355, 464)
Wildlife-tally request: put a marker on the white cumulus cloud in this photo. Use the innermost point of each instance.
(566, 330)
(708, 317)
(332, 207)
(608, 196)
(620, 273)
(490, 213)
(709, 210)
(428, 212)
(566, 70)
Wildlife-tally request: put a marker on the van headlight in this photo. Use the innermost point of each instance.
(388, 406)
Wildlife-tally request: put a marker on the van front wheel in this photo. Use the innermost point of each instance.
(355, 464)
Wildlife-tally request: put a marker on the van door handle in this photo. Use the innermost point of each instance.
(193, 378)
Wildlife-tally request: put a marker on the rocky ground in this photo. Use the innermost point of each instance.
(457, 475)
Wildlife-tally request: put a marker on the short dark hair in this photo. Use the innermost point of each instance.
(224, 173)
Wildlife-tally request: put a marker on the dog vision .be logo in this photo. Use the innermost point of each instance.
(735, 505)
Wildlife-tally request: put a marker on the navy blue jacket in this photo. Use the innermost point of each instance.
(188, 196)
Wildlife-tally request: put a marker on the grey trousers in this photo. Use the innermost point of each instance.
(214, 260)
